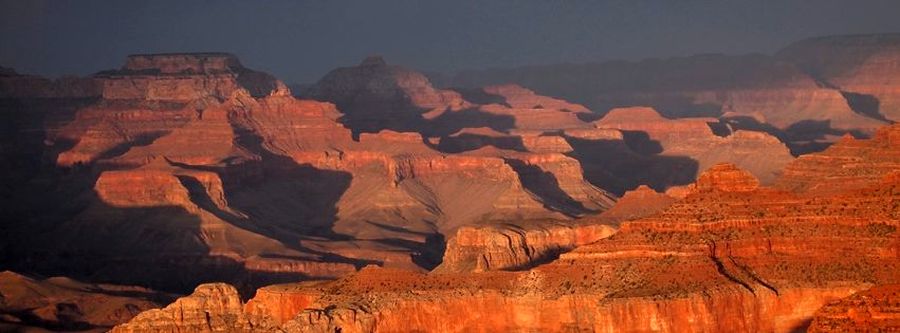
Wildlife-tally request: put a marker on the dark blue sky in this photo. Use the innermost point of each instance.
(299, 41)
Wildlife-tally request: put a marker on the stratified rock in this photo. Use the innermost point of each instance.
(640, 202)
(726, 177)
(873, 310)
(530, 111)
(515, 247)
(755, 92)
(850, 163)
(214, 307)
(736, 257)
(185, 77)
(227, 186)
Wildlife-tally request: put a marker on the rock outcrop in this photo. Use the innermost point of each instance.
(872, 310)
(63, 304)
(515, 247)
(185, 77)
(376, 96)
(848, 164)
(212, 307)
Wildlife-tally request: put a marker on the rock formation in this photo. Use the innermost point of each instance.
(376, 96)
(179, 169)
(181, 162)
(862, 67)
(783, 94)
(660, 152)
(730, 256)
(213, 307)
(185, 77)
(60, 303)
(848, 164)
(513, 247)
(872, 310)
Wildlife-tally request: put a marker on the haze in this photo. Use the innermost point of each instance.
(299, 41)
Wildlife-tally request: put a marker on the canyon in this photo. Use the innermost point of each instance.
(707, 193)
(808, 93)
(741, 271)
(730, 255)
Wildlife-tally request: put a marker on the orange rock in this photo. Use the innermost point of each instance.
(211, 307)
(726, 177)
(872, 310)
(848, 164)
(513, 247)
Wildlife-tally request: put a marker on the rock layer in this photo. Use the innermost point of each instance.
(729, 256)
(872, 310)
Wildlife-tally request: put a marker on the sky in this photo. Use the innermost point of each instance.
(300, 41)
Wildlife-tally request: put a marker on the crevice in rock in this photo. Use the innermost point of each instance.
(720, 267)
(753, 275)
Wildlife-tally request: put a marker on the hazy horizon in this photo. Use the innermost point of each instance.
(301, 41)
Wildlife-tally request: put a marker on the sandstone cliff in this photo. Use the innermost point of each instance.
(515, 247)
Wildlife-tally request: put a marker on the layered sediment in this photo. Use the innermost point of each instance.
(730, 256)
(873, 310)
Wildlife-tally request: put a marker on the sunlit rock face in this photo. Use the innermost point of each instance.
(729, 256)
(850, 163)
(487, 208)
(872, 310)
(180, 162)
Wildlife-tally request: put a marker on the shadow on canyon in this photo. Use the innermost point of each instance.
(614, 166)
(804, 137)
(546, 187)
